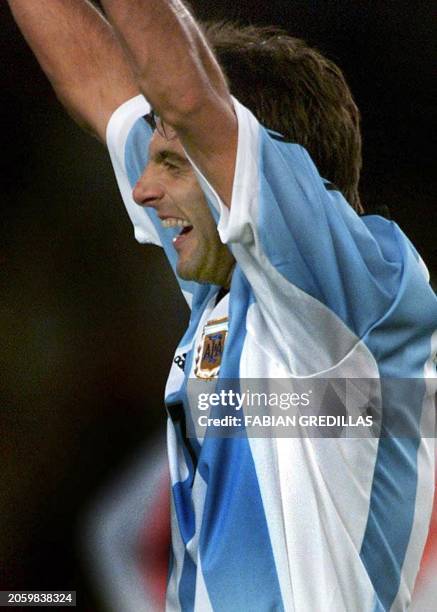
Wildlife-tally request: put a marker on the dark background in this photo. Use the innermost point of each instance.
(89, 319)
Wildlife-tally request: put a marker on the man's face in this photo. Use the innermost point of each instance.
(168, 184)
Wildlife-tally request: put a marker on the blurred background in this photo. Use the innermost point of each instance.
(90, 319)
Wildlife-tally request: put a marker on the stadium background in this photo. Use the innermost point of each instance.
(89, 319)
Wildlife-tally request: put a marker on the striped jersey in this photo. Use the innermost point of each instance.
(294, 523)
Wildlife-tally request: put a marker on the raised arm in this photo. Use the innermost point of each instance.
(180, 77)
(78, 51)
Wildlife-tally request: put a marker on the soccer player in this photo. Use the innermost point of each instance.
(249, 196)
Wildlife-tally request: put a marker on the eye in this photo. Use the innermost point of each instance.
(170, 165)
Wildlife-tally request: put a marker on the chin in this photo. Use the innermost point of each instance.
(192, 276)
(188, 272)
(191, 273)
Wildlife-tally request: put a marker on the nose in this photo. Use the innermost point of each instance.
(148, 191)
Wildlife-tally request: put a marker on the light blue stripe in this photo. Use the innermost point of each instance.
(319, 244)
(401, 349)
(187, 585)
(236, 553)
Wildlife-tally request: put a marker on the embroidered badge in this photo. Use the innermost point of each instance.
(210, 351)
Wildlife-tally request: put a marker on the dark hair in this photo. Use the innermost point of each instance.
(294, 90)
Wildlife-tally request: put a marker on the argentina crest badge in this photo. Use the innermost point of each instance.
(211, 348)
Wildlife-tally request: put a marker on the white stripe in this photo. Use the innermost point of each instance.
(198, 497)
(425, 486)
(188, 297)
(117, 132)
(264, 452)
(172, 603)
(178, 471)
(316, 495)
(176, 460)
(202, 603)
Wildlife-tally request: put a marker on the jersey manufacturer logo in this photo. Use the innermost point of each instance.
(210, 351)
(179, 360)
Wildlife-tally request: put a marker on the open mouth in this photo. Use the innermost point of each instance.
(175, 222)
(183, 224)
(179, 240)
(185, 230)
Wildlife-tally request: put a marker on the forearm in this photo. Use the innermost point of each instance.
(172, 63)
(80, 55)
(180, 77)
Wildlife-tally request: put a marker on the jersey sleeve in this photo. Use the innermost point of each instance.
(128, 135)
(320, 277)
(124, 124)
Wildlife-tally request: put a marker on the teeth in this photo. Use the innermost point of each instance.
(173, 222)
